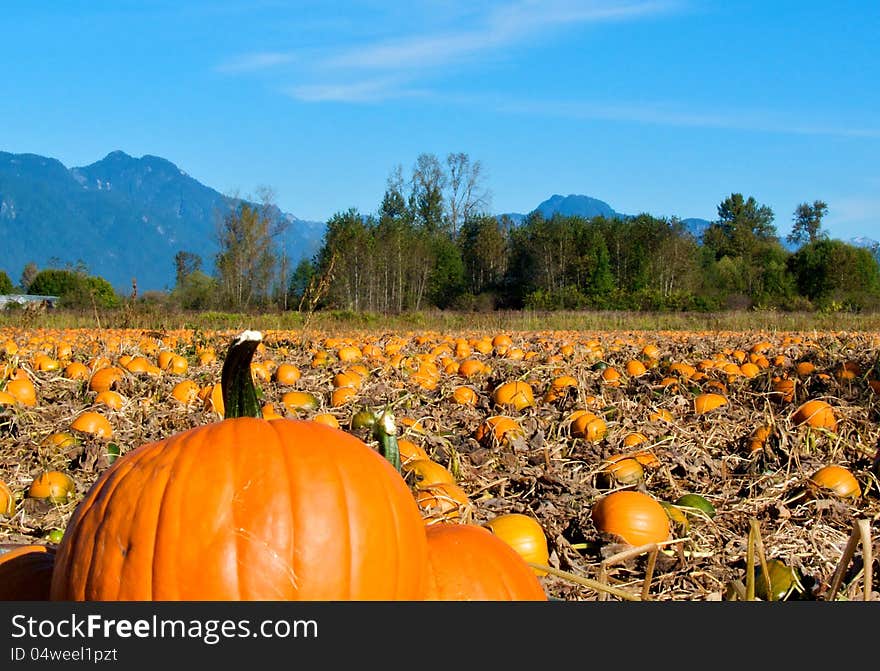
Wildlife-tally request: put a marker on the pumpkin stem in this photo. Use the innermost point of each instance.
(385, 431)
(237, 381)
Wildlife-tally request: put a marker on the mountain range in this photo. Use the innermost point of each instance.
(125, 218)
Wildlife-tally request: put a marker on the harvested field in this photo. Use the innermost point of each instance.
(756, 507)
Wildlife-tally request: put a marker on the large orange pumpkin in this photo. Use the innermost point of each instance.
(246, 509)
(26, 572)
(470, 563)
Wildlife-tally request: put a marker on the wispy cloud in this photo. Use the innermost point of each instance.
(364, 91)
(380, 69)
(671, 115)
(503, 26)
(256, 61)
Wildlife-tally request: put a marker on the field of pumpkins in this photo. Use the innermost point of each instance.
(557, 465)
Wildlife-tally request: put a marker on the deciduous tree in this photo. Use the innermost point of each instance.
(807, 227)
(248, 253)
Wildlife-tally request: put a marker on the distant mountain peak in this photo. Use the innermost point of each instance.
(146, 207)
(575, 205)
(117, 155)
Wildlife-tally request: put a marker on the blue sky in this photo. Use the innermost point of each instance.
(658, 106)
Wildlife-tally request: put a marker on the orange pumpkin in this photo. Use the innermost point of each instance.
(59, 439)
(783, 389)
(470, 367)
(634, 438)
(758, 438)
(611, 376)
(524, 534)
(559, 387)
(707, 402)
(45, 362)
(635, 368)
(105, 378)
(468, 563)
(185, 392)
(635, 517)
(23, 390)
(442, 501)
(836, 480)
(287, 373)
(622, 470)
(410, 451)
(76, 370)
(587, 425)
(93, 423)
(515, 393)
(464, 396)
(112, 399)
(817, 414)
(299, 400)
(52, 485)
(497, 430)
(326, 418)
(312, 512)
(342, 395)
(26, 572)
(425, 473)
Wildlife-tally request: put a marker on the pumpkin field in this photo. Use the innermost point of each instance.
(615, 465)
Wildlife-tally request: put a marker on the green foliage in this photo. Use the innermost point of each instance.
(807, 227)
(185, 264)
(831, 271)
(102, 292)
(483, 242)
(6, 286)
(741, 226)
(426, 199)
(300, 280)
(195, 291)
(348, 247)
(433, 248)
(601, 281)
(447, 277)
(74, 289)
(563, 298)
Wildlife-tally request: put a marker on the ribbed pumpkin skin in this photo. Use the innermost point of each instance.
(26, 573)
(246, 509)
(470, 563)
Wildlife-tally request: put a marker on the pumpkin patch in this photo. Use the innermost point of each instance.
(480, 466)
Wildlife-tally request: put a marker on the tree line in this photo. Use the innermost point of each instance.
(432, 243)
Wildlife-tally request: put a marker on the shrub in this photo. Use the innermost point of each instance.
(6, 286)
(74, 289)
